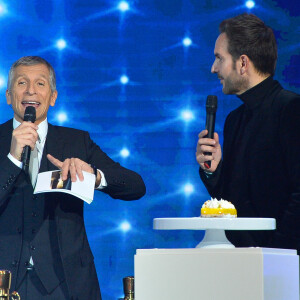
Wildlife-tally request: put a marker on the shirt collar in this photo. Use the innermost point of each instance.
(42, 131)
(254, 96)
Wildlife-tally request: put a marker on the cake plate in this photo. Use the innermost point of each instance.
(214, 228)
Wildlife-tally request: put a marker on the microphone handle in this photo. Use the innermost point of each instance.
(29, 116)
(210, 126)
(26, 158)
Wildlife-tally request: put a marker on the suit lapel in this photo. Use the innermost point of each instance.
(5, 137)
(54, 145)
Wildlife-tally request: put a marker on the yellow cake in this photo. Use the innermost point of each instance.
(218, 209)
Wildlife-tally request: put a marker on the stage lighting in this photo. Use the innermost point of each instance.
(62, 117)
(188, 189)
(3, 9)
(61, 44)
(187, 42)
(123, 6)
(187, 115)
(125, 226)
(2, 82)
(124, 152)
(250, 4)
(124, 79)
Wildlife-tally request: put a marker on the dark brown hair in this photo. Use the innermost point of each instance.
(247, 34)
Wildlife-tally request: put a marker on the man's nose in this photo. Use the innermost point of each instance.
(30, 89)
(213, 68)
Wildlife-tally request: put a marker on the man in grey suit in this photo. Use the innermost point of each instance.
(43, 238)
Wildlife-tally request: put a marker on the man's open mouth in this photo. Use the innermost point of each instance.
(31, 103)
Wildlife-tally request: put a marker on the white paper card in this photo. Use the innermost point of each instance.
(51, 181)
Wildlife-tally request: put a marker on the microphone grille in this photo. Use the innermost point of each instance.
(29, 114)
(211, 104)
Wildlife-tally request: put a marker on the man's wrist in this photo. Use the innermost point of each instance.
(15, 161)
(97, 176)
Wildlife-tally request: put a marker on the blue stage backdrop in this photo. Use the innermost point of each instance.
(136, 74)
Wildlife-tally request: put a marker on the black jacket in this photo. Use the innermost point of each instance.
(59, 236)
(260, 169)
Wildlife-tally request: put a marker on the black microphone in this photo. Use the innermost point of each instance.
(211, 108)
(29, 116)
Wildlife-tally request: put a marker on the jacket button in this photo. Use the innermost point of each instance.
(19, 230)
(34, 214)
(14, 263)
(32, 247)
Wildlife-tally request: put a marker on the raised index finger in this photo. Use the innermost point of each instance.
(55, 161)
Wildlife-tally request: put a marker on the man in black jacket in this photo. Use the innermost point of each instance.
(43, 238)
(260, 168)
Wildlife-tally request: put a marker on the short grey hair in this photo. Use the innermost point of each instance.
(31, 61)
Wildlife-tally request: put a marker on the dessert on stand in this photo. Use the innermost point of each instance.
(242, 273)
(216, 217)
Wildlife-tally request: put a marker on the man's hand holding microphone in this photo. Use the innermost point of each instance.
(208, 150)
(209, 153)
(24, 139)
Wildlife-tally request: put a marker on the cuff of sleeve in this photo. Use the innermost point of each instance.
(103, 182)
(15, 161)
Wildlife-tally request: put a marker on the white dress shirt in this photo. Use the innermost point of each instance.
(42, 133)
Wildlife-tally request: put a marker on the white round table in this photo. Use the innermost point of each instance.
(214, 227)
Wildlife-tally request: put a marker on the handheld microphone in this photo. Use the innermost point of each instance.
(29, 116)
(211, 108)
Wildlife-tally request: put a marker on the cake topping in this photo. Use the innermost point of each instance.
(218, 208)
(215, 203)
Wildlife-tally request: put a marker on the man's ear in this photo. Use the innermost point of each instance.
(53, 98)
(8, 97)
(244, 63)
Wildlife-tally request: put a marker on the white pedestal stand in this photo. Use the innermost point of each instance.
(216, 274)
(215, 269)
(214, 228)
